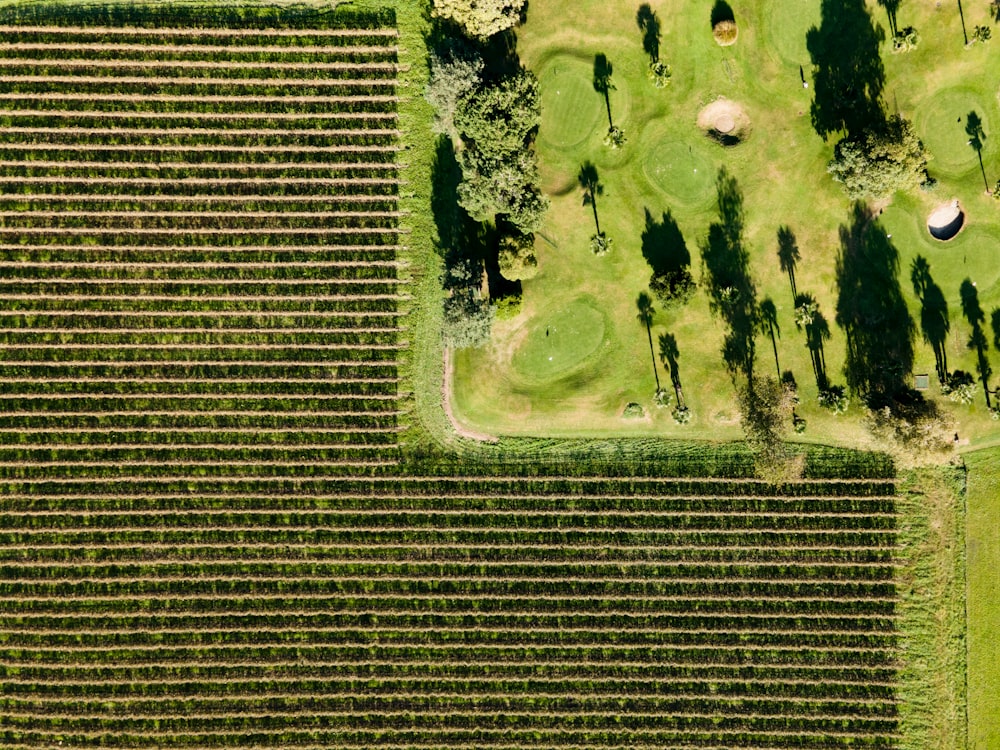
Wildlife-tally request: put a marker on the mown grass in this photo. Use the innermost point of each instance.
(983, 605)
(669, 164)
(932, 624)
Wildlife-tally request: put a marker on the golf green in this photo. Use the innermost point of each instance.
(573, 110)
(683, 171)
(558, 341)
(941, 123)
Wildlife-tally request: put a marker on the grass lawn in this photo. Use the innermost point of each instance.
(983, 555)
(669, 165)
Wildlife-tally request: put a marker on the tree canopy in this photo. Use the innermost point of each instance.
(880, 161)
(480, 18)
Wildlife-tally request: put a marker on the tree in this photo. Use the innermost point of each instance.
(645, 316)
(589, 180)
(480, 18)
(673, 288)
(517, 256)
(452, 79)
(974, 129)
(880, 161)
(499, 173)
(765, 407)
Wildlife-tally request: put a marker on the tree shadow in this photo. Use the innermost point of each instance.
(663, 245)
(891, 8)
(974, 129)
(977, 341)
(849, 77)
(590, 181)
(788, 255)
(769, 322)
(934, 322)
(446, 175)
(644, 304)
(809, 319)
(669, 354)
(995, 323)
(649, 25)
(602, 82)
(721, 11)
(872, 311)
(731, 290)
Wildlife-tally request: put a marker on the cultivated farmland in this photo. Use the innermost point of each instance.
(211, 532)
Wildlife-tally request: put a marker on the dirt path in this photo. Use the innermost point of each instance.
(446, 400)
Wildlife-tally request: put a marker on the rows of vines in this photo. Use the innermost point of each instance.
(211, 533)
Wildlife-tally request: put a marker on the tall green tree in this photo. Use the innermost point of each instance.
(452, 79)
(480, 18)
(880, 161)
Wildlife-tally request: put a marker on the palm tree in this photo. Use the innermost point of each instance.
(974, 129)
(788, 255)
(646, 312)
(592, 187)
(602, 82)
(769, 318)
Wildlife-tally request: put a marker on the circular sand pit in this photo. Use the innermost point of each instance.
(725, 121)
(946, 221)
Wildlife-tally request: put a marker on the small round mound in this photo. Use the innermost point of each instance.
(559, 341)
(946, 221)
(725, 33)
(725, 122)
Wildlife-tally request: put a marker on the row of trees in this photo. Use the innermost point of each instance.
(487, 200)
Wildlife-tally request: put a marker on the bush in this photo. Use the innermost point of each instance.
(517, 257)
(468, 319)
(508, 307)
(915, 432)
(633, 411)
(662, 398)
(725, 32)
(480, 18)
(996, 190)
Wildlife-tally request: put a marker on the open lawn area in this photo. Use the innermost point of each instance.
(576, 355)
(983, 606)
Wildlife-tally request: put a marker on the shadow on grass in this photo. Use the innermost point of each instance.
(669, 354)
(934, 321)
(649, 25)
(809, 319)
(977, 341)
(731, 290)
(603, 71)
(848, 76)
(721, 11)
(663, 245)
(872, 311)
(788, 255)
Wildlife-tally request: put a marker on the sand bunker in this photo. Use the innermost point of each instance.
(725, 121)
(946, 221)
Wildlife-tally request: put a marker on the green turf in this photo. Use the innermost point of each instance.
(941, 121)
(983, 545)
(781, 169)
(560, 340)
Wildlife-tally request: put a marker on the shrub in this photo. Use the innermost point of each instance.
(508, 307)
(959, 387)
(662, 398)
(725, 32)
(981, 34)
(480, 18)
(681, 414)
(996, 190)
(517, 257)
(673, 288)
(633, 411)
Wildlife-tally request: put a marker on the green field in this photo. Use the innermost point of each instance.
(670, 165)
(233, 512)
